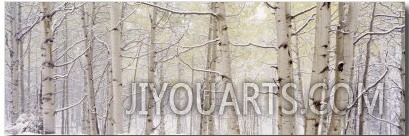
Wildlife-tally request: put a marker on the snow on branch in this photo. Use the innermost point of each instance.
(368, 88)
(304, 25)
(251, 44)
(201, 70)
(69, 48)
(161, 50)
(73, 60)
(385, 15)
(189, 48)
(27, 29)
(66, 108)
(123, 19)
(378, 33)
(302, 12)
(180, 12)
(203, 44)
(55, 77)
(386, 121)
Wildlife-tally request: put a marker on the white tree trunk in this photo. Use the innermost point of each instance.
(65, 113)
(20, 61)
(150, 128)
(285, 122)
(162, 111)
(207, 121)
(299, 117)
(110, 108)
(213, 58)
(14, 54)
(89, 43)
(344, 52)
(403, 70)
(116, 61)
(181, 120)
(320, 68)
(47, 72)
(225, 65)
(369, 125)
(85, 114)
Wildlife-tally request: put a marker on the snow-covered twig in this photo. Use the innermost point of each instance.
(386, 121)
(73, 60)
(368, 88)
(180, 12)
(255, 45)
(69, 48)
(302, 12)
(66, 108)
(305, 24)
(201, 70)
(378, 33)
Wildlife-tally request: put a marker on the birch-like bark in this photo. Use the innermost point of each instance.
(344, 51)
(193, 113)
(283, 20)
(225, 66)
(206, 121)
(30, 97)
(299, 117)
(181, 120)
(20, 61)
(320, 69)
(14, 54)
(149, 127)
(89, 43)
(85, 112)
(116, 61)
(403, 70)
(110, 108)
(47, 72)
(162, 129)
(165, 97)
(65, 113)
(213, 58)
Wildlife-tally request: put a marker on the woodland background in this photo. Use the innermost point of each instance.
(69, 65)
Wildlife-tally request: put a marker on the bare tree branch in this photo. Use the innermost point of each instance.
(386, 121)
(385, 15)
(270, 6)
(368, 88)
(73, 60)
(180, 12)
(189, 48)
(69, 48)
(304, 25)
(66, 108)
(302, 12)
(378, 33)
(251, 44)
(201, 70)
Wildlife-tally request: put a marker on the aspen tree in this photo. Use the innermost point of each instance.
(47, 72)
(225, 66)
(89, 43)
(283, 20)
(149, 127)
(344, 51)
(320, 68)
(116, 61)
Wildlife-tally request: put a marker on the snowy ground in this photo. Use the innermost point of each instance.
(26, 124)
